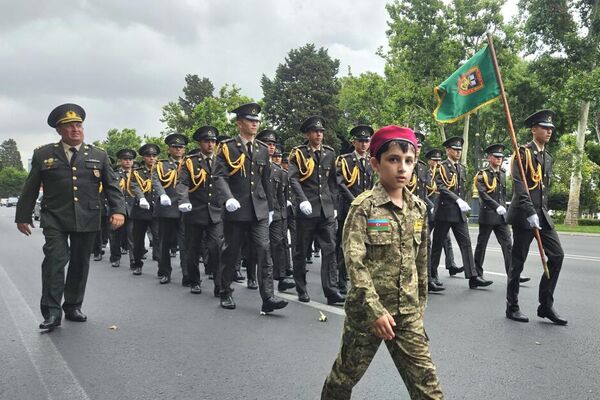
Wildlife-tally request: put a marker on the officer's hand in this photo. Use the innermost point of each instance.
(334, 213)
(185, 207)
(116, 221)
(305, 207)
(500, 210)
(23, 227)
(289, 203)
(270, 217)
(144, 204)
(534, 221)
(165, 200)
(384, 327)
(232, 205)
(464, 207)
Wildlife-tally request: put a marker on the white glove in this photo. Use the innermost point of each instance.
(500, 210)
(144, 204)
(232, 205)
(305, 207)
(334, 213)
(270, 217)
(534, 221)
(165, 200)
(289, 203)
(185, 207)
(464, 207)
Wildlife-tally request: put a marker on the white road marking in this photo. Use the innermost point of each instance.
(55, 375)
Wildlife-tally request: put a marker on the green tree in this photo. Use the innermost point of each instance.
(9, 155)
(178, 115)
(117, 140)
(362, 100)
(305, 84)
(11, 181)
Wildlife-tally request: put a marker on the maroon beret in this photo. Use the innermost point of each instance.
(389, 133)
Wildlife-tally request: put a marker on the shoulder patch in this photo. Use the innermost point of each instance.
(362, 197)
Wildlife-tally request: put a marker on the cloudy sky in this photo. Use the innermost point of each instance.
(122, 61)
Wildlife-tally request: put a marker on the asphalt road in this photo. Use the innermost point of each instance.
(170, 344)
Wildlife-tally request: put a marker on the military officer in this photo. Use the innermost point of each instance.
(451, 210)
(434, 157)
(242, 175)
(531, 211)
(200, 202)
(71, 173)
(314, 183)
(170, 224)
(123, 173)
(144, 184)
(355, 175)
(291, 216)
(278, 227)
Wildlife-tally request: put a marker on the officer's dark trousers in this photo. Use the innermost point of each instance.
(168, 230)
(341, 263)
(116, 238)
(140, 226)
(102, 235)
(212, 234)
(291, 225)
(324, 230)
(61, 248)
(277, 233)
(234, 233)
(461, 233)
(448, 252)
(502, 235)
(555, 255)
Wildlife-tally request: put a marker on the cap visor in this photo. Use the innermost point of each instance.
(546, 124)
(252, 117)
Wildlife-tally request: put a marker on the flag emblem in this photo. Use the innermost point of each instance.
(378, 225)
(470, 82)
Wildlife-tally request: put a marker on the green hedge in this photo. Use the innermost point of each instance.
(588, 222)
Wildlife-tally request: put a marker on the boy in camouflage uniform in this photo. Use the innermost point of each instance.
(385, 248)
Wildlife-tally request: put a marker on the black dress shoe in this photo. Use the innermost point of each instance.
(524, 279)
(75, 315)
(164, 279)
(115, 264)
(516, 315)
(432, 287)
(478, 281)
(317, 254)
(196, 289)
(551, 314)
(211, 276)
(154, 258)
(289, 272)
(437, 281)
(238, 277)
(285, 284)
(304, 297)
(97, 257)
(137, 271)
(455, 270)
(227, 301)
(252, 284)
(343, 289)
(272, 303)
(335, 298)
(50, 323)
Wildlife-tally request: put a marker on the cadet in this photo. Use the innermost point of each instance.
(490, 183)
(170, 224)
(526, 213)
(71, 173)
(385, 247)
(144, 184)
(450, 212)
(433, 158)
(314, 183)
(242, 176)
(200, 202)
(123, 173)
(291, 217)
(277, 229)
(355, 175)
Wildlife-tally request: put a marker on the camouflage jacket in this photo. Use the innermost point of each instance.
(385, 249)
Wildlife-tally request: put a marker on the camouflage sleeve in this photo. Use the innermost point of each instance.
(422, 264)
(355, 251)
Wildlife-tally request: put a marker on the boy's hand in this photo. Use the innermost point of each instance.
(383, 327)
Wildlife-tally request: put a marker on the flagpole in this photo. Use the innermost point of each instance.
(511, 131)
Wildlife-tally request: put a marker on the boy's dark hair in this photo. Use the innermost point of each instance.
(403, 144)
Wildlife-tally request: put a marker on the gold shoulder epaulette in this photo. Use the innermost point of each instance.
(362, 197)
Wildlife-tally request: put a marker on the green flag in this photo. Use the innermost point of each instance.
(469, 88)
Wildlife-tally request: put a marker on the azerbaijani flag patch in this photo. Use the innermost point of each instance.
(381, 225)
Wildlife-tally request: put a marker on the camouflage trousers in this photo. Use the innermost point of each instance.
(409, 350)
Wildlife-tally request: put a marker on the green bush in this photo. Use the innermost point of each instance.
(588, 222)
(559, 217)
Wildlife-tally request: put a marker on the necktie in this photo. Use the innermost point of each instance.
(209, 163)
(362, 162)
(249, 146)
(317, 153)
(73, 156)
(457, 166)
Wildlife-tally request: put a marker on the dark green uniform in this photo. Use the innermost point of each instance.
(70, 217)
